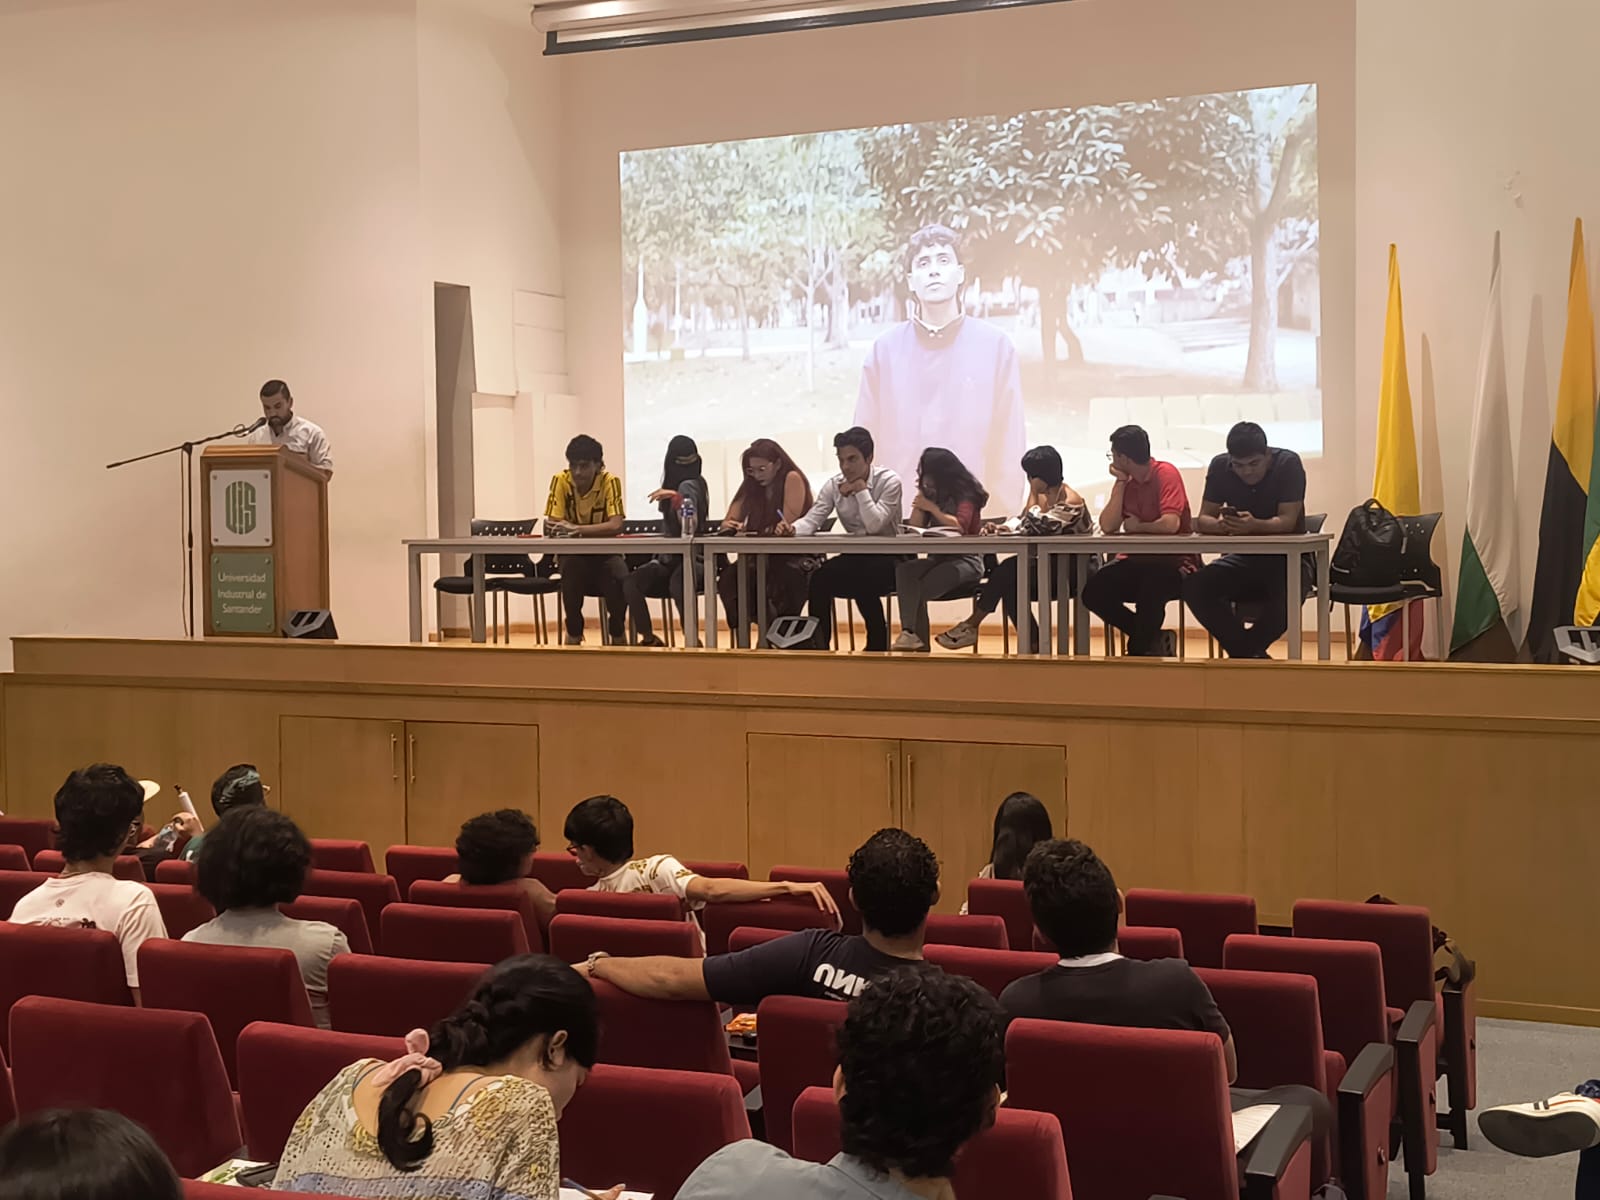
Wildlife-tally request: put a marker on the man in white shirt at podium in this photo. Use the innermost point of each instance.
(295, 434)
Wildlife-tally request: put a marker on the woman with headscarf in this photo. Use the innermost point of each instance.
(662, 576)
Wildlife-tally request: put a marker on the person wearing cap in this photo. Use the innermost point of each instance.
(681, 482)
(99, 809)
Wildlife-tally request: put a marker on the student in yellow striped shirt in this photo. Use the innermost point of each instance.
(586, 501)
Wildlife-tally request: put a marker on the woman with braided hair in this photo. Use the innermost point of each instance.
(474, 1102)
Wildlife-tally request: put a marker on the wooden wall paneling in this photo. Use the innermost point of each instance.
(950, 791)
(344, 777)
(679, 769)
(813, 800)
(1290, 796)
(456, 770)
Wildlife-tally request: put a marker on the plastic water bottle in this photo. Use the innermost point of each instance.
(689, 519)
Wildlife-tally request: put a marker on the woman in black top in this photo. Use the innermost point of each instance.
(662, 576)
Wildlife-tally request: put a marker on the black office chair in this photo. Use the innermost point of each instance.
(494, 567)
(655, 528)
(542, 582)
(1250, 611)
(1420, 579)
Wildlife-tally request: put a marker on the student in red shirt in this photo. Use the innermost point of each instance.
(1148, 498)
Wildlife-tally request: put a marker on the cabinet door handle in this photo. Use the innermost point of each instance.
(911, 785)
(411, 754)
(888, 784)
(394, 757)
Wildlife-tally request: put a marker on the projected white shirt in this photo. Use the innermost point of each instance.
(959, 388)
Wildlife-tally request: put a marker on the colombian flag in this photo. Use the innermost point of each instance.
(1568, 480)
(1394, 482)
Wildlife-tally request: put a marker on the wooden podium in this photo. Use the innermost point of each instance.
(264, 537)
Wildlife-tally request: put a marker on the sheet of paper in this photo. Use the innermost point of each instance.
(1248, 1122)
(573, 1194)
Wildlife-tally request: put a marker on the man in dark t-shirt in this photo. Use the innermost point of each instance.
(1253, 489)
(1076, 905)
(894, 882)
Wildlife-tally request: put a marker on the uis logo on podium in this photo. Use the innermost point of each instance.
(239, 506)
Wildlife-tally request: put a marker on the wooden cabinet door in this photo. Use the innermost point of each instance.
(951, 791)
(456, 770)
(813, 800)
(344, 778)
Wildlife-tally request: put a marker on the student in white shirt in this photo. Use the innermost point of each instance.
(98, 809)
(293, 433)
(599, 833)
(867, 500)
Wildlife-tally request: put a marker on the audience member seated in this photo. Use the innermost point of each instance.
(599, 833)
(498, 847)
(1077, 906)
(256, 859)
(894, 881)
(1566, 1123)
(1147, 498)
(1020, 823)
(240, 785)
(83, 1154)
(97, 809)
(1257, 490)
(470, 1110)
(921, 1056)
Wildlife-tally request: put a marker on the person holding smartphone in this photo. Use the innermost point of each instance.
(1252, 489)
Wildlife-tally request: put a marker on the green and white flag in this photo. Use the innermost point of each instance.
(1488, 593)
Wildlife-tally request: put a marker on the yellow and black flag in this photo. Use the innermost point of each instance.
(1567, 479)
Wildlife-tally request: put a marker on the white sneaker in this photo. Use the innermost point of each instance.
(959, 636)
(908, 641)
(1564, 1123)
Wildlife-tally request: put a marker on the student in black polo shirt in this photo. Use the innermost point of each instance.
(894, 881)
(1252, 489)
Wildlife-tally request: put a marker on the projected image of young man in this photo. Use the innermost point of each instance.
(943, 378)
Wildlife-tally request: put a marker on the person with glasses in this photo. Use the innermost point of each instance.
(1256, 490)
(98, 810)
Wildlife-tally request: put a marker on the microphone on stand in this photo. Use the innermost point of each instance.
(242, 430)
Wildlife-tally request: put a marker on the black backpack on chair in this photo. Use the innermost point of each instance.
(1371, 549)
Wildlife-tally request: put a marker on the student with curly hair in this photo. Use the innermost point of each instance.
(498, 847)
(83, 1154)
(921, 1057)
(98, 808)
(254, 860)
(470, 1111)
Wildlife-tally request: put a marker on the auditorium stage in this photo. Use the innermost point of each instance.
(1466, 788)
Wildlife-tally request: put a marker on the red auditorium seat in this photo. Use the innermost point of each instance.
(392, 996)
(1003, 898)
(232, 985)
(505, 896)
(1404, 937)
(341, 854)
(160, 1068)
(716, 869)
(558, 872)
(744, 937)
(13, 858)
(798, 1050)
(126, 866)
(441, 934)
(373, 892)
(1355, 1015)
(32, 834)
(633, 906)
(1277, 1034)
(987, 933)
(347, 916)
(14, 885)
(574, 938)
(1101, 1082)
(8, 1098)
(283, 1067)
(672, 1121)
(70, 964)
(1203, 921)
(182, 908)
(1144, 942)
(674, 1035)
(992, 970)
(410, 863)
(788, 913)
(1021, 1154)
(177, 870)
(836, 881)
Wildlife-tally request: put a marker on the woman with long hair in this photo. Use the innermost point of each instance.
(1021, 822)
(775, 493)
(948, 497)
(470, 1110)
(681, 482)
